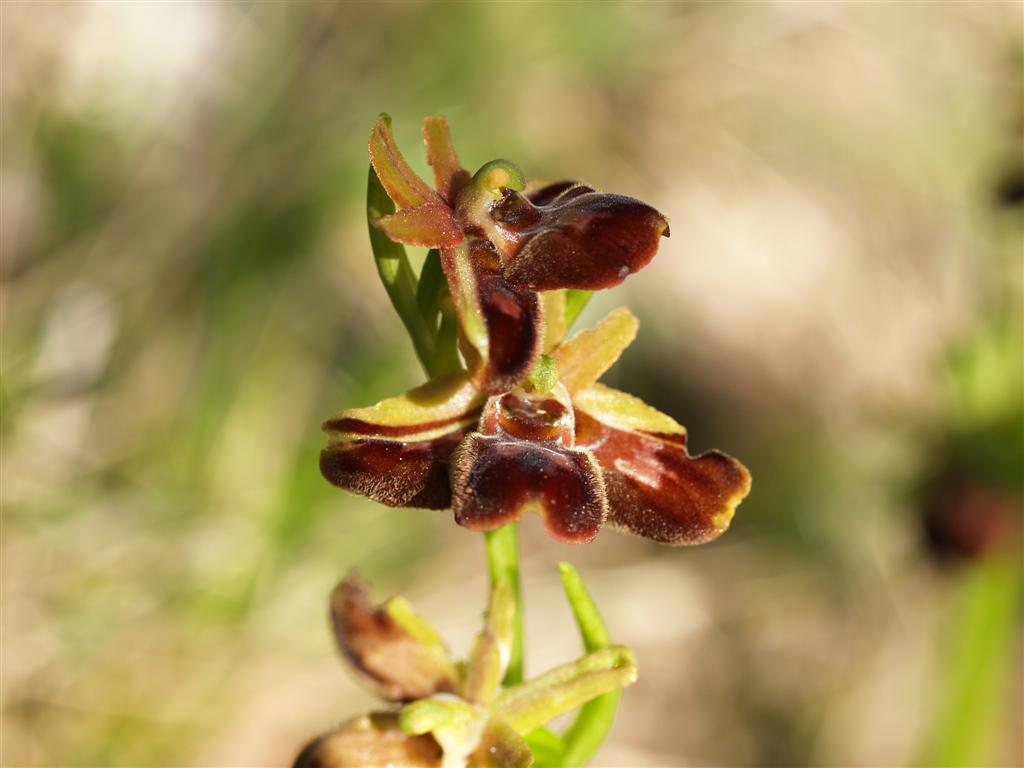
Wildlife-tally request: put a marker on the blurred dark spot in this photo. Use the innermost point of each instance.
(965, 520)
(1010, 188)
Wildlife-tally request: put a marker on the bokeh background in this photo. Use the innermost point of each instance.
(188, 291)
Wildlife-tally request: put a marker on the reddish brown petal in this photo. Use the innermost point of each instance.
(397, 665)
(449, 175)
(581, 239)
(431, 225)
(655, 488)
(393, 473)
(495, 479)
(546, 194)
(502, 326)
(370, 740)
(396, 452)
(401, 182)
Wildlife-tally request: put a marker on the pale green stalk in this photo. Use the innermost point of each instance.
(503, 566)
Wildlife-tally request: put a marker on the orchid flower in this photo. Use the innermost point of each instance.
(501, 241)
(526, 425)
(455, 714)
(576, 451)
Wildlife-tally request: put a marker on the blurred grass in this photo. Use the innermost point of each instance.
(981, 650)
(187, 292)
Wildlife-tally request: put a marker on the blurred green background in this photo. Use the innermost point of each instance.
(188, 290)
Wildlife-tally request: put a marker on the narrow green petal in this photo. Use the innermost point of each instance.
(531, 704)
(430, 714)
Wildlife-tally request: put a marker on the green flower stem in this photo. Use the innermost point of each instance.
(503, 566)
(591, 726)
(396, 273)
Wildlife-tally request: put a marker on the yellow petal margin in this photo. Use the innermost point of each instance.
(621, 410)
(436, 407)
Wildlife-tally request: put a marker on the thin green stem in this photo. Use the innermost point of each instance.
(503, 566)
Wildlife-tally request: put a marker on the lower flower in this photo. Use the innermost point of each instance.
(455, 715)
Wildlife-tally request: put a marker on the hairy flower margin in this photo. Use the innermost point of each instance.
(525, 425)
(459, 714)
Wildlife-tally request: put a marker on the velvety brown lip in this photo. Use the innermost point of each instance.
(495, 478)
(657, 490)
(393, 473)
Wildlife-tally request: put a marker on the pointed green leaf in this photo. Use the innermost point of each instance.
(592, 627)
(575, 300)
(547, 747)
(432, 286)
(395, 272)
(438, 314)
(591, 726)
